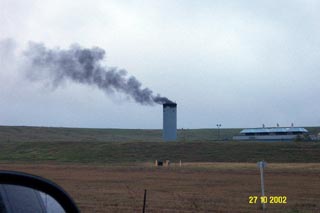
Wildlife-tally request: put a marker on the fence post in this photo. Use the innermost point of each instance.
(144, 201)
(262, 165)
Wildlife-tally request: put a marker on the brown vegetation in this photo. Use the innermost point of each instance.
(195, 187)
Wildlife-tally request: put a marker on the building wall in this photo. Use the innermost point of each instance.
(265, 137)
(169, 123)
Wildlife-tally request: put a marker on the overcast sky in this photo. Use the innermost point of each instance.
(238, 63)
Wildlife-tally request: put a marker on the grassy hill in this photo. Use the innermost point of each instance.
(122, 152)
(42, 144)
(54, 134)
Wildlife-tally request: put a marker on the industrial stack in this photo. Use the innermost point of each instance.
(169, 121)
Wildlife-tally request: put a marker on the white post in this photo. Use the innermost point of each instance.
(261, 165)
(262, 186)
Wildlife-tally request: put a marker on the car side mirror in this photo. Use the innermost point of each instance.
(22, 192)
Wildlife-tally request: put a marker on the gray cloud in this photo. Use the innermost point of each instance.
(239, 63)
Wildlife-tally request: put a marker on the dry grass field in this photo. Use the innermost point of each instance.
(195, 187)
(102, 169)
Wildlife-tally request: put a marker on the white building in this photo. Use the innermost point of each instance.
(272, 133)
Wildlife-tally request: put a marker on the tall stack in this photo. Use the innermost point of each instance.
(169, 121)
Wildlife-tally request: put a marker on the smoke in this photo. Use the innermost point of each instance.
(85, 66)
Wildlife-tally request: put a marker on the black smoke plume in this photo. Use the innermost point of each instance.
(85, 66)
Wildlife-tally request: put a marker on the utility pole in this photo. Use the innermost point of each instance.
(218, 126)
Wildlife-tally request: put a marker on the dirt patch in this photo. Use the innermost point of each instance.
(207, 187)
